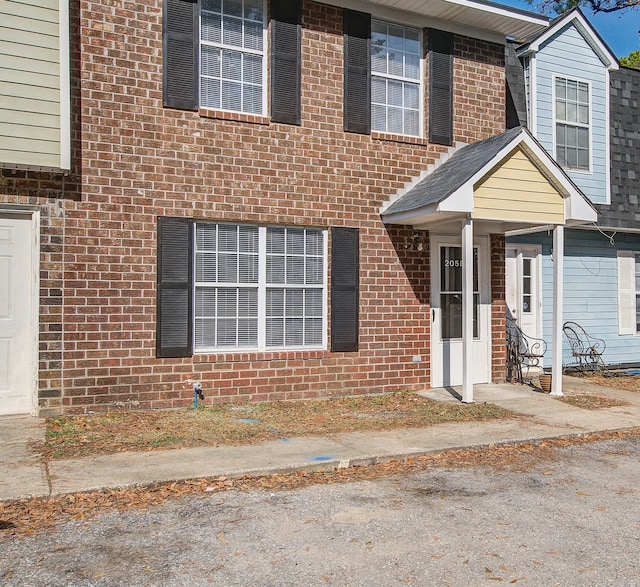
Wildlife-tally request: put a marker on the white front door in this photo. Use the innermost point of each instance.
(17, 332)
(446, 311)
(523, 296)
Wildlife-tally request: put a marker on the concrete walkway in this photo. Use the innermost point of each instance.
(25, 474)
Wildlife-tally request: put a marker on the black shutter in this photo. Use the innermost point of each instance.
(344, 289)
(180, 46)
(285, 61)
(174, 330)
(357, 71)
(440, 87)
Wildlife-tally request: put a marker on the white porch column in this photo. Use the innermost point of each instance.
(558, 277)
(467, 311)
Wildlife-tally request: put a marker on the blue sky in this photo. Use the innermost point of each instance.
(618, 29)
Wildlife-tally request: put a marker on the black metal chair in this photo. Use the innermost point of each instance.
(583, 352)
(524, 353)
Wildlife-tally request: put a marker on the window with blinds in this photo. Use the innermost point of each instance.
(395, 78)
(232, 61)
(259, 287)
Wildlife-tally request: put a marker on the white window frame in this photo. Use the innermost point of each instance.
(262, 285)
(222, 46)
(387, 76)
(588, 126)
(627, 292)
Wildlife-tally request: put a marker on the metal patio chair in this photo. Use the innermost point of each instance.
(583, 351)
(524, 353)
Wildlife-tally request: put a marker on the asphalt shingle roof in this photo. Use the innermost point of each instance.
(453, 173)
(624, 210)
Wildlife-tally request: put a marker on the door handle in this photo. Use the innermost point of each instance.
(433, 315)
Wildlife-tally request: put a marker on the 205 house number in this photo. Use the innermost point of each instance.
(452, 263)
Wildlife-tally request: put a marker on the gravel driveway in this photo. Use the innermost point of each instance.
(574, 520)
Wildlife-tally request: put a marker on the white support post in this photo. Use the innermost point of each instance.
(558, 277)
(467, 311)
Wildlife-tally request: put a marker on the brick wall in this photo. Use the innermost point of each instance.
(136, 161)
(498, 309)
(479, 95)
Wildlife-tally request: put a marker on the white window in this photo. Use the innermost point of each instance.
(259, 287)
(395, 78)
(232, 55)
(572, 123)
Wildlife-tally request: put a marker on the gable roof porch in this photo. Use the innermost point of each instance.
(503, 184)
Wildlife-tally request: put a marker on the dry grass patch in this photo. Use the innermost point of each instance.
(625, 382)
(73, 436)
(591, 402)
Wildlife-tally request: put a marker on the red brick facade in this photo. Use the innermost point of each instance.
(133, 161)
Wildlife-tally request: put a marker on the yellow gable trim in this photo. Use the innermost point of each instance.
(516, 190)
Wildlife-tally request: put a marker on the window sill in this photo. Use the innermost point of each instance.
(235, 116)
(385, 136)
(578, 171)
(254, 355)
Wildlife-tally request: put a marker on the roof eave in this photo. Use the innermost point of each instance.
(488, 16)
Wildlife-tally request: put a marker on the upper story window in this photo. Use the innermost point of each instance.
(232, 55)
(395, 78)
(572, 123)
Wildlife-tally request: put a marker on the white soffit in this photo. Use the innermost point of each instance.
(488, 16)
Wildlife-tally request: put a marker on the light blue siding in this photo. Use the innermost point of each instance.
(567, 54)
(590, 289)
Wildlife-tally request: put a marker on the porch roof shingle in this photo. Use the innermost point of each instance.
(453, 173)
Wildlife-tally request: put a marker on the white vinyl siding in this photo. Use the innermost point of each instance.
(396, 92)
(259, 287)
(572, 114)
(232, 60)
